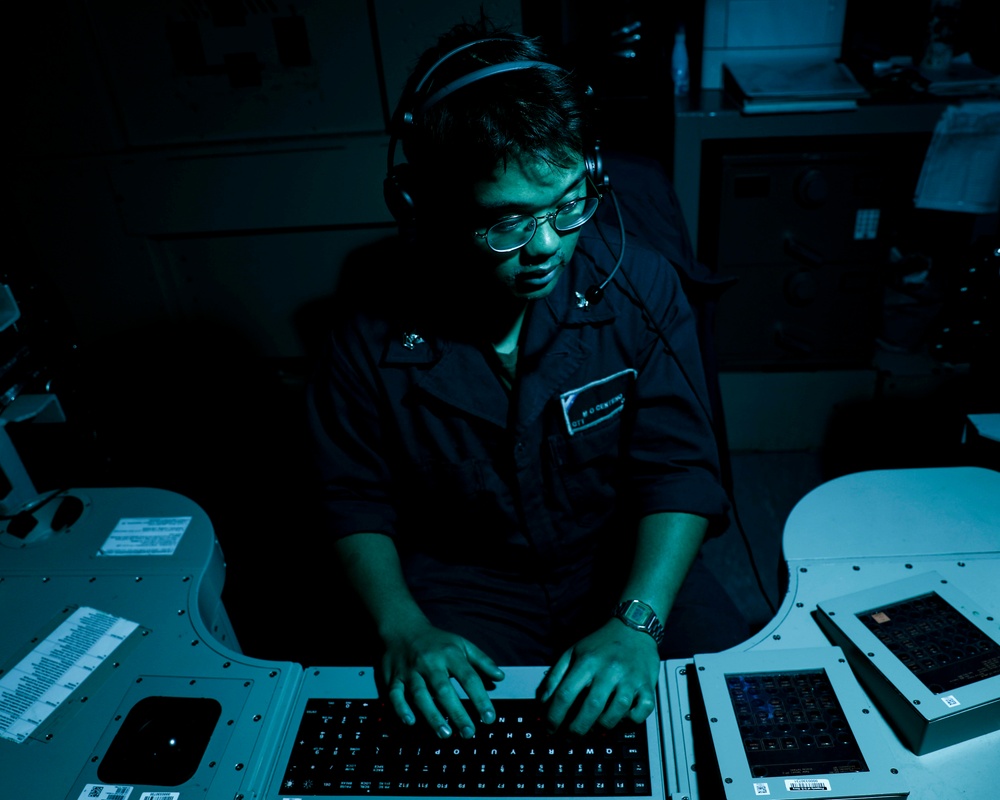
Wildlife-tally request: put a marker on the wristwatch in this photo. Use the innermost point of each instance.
(641, 617)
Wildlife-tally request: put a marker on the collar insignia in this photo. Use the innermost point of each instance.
(412, 339)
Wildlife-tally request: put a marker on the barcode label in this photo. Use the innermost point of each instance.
(951, 701)
(160, 796)
(808, 785)
(100, 791)
(761, 790)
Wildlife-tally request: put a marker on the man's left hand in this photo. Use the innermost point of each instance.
(607, 676)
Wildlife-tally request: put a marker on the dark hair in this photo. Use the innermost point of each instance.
(533, 112)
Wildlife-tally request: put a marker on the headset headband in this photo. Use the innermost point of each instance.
(479, 74)
(450, 53)
(405, 113)
(397, 187)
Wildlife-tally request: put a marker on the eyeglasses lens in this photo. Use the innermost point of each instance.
(510, 234)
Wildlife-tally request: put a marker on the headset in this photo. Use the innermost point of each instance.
(398, 189)
(398, 186)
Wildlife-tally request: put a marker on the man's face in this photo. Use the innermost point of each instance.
(534, 188)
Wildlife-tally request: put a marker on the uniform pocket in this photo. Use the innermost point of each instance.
(587, 466)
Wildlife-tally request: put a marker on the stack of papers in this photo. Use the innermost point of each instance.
(777, 87)
(961, 170)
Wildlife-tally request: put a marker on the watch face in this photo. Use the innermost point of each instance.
(637, 614)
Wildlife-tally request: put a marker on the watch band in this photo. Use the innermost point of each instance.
(641, 617)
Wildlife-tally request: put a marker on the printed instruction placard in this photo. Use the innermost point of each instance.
(52, 671)
(145, 536)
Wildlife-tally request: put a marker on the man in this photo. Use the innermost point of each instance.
(517, 459)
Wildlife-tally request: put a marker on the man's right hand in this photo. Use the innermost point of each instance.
(420, 660)
(418, 667)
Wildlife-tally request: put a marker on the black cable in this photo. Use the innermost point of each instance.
(636, 299)
(750, 555)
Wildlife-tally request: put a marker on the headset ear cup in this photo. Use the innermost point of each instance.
(595, 166)
(397, 189)
(592, 161)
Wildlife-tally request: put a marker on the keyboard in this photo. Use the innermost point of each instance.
(935, 642)
(345, 741)
(793, 724)
(928, 655)
(788, 723)
(358, 746)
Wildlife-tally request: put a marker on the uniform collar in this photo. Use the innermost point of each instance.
(456, 373)
(463, 379)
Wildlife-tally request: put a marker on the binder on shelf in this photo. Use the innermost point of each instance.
(788, 86)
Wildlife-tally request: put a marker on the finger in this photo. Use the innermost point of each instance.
(451, 702)
(470, 681)
(594, 703)
(483, 663)
(644, 705)
(397, 699)
(426, 700)
(620, 704)
(554, 676)
(396, 691)
(565, 694)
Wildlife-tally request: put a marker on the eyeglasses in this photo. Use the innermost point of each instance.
(512, 233)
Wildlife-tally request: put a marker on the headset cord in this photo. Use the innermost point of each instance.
(635, 297)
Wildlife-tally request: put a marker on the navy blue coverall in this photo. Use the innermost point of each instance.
(514, 512)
